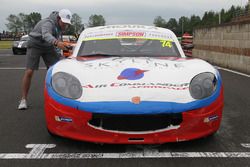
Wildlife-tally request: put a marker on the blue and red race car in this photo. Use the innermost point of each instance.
(132, 84)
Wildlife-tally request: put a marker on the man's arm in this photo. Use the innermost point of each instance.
(48, 37)
(47, 28)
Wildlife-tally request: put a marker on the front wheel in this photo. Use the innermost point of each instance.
(14, 51)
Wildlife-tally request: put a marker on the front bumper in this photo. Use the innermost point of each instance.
(19, 50)
(72, 123)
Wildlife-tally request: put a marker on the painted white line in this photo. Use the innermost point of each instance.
(128, 155)
(246, 145)
(232, 71)
(37, 152)
(19, 68)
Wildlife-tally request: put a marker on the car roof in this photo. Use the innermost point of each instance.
(125, 26)
(113, 29)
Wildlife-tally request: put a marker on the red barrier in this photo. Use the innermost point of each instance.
(186, 40)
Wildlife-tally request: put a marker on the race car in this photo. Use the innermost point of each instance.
(20, 47)
(132, 84)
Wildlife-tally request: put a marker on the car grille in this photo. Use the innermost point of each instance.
(135, 123)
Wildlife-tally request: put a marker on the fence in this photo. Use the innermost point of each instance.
(9, 37)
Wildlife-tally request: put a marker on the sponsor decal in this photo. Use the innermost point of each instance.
(131, 74)
(211, 118)
(130, 34)
(114, 62)
(159, 35)
(182, 86)
(129, 26)
(98, 35)
(63, 119)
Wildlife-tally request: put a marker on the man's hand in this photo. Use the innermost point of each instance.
(69, 47)
(63, 46)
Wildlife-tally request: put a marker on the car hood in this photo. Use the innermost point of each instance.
(109, 79)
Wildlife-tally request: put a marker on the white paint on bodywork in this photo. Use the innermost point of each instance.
(101, 78)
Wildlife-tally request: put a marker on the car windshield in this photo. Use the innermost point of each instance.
(129, 47)
(24, 38)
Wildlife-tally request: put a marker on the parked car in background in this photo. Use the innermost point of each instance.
(20, 47)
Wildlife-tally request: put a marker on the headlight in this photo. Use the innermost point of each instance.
(67, 85)
(203, 85)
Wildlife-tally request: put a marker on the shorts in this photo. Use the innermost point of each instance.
(49, 55)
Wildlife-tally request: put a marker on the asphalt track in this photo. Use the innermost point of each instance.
(24, 140)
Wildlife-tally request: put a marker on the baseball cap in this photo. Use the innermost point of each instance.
(65, 16)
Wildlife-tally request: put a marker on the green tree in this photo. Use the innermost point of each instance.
(160, 22)
(184, 26)
(229, 14)
(222, 15)
(14, 23)
(76, 26)
(23, 20)
(194, 21)
(32, 19)
(96, 20)
(172, 25)
(77, 23)
(210, 18)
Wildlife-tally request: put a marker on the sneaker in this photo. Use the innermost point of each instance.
(22, 105)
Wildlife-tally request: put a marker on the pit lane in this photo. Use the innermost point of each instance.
(25, 142)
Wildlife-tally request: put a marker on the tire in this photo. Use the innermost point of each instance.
(14, 51)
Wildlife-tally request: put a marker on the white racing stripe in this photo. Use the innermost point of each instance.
(37, 152)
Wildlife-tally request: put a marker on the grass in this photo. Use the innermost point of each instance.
(5, 44)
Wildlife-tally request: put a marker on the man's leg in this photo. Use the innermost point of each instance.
(26, 82)
(25, 89)
(32, 63)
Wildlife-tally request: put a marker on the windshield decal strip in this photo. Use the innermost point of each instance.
(159, 39)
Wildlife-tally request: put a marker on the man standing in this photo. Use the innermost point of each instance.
(43, 42)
